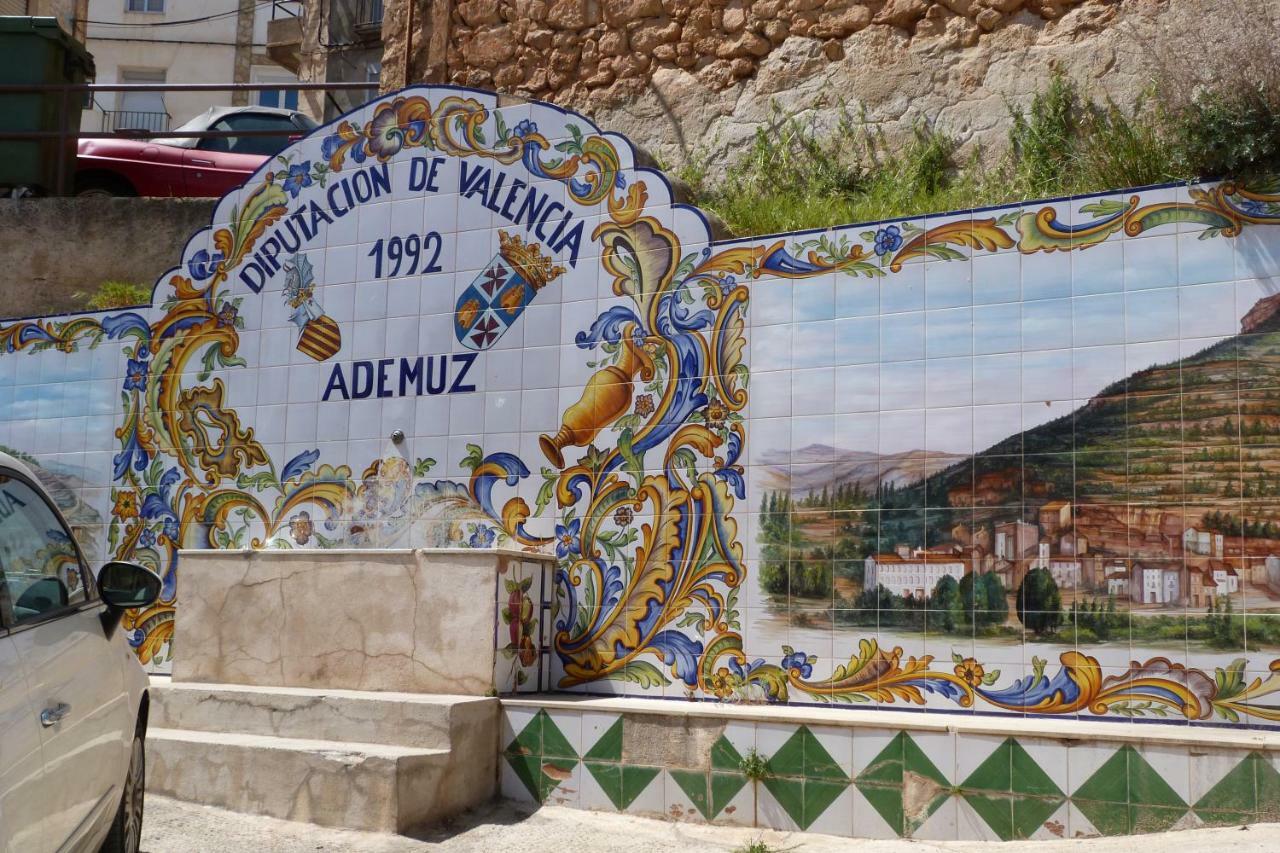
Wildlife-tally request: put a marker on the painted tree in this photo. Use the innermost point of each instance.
(1039, 602)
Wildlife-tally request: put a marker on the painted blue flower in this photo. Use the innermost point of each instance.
(888, 240)
(567, 543)
(524, 127)
(203, 264)
(482, 536)
(148, 538)
(1253, 207)
(135, 375)
(299, 178)
(798, 661)
(171, 530)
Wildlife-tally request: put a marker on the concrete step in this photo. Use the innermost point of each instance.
(415, 720)
(366, 786)
(386, 762)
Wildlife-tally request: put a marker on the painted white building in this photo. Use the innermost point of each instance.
(915, 575)
(1066, 571)
(1227, 578)
(179, 41)
(1155, 585)
(1202, 542)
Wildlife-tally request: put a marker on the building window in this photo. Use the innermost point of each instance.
(144, 6)
(286, 98)
(139, 110)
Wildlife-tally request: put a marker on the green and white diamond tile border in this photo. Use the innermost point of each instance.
(878, 775)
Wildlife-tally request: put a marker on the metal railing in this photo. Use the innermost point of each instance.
(135, 120)
(286, 9)
(71, 93)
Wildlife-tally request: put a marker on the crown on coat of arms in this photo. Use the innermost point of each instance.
(528, 260)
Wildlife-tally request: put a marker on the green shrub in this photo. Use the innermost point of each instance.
(795, 176)
(116, 294)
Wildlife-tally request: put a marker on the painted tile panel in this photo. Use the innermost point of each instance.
(963, 462)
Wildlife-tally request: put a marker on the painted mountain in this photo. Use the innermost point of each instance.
(811, 469)
(1190, 444)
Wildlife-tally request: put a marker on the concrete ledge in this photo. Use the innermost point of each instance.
(1070, 729)
(415, 620)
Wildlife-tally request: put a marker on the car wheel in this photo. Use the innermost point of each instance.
(126, 830)
(103, 186)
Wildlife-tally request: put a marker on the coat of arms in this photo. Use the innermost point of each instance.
(321, 338)
(508, 283)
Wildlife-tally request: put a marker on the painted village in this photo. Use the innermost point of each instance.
(1156, 497)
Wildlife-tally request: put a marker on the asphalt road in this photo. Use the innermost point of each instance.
(174, 827)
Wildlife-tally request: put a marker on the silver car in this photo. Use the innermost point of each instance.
(73, 697)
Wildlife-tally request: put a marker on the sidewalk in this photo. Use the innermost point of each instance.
(175, 827)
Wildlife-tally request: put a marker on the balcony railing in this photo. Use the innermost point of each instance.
(127, 120)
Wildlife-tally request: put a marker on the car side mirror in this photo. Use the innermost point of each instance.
(127, 585)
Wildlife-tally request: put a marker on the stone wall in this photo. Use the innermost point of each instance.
(54, 248)
(695, 77)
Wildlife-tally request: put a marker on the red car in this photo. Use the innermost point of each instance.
(187, 166)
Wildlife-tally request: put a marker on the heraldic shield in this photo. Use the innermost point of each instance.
(498, 296)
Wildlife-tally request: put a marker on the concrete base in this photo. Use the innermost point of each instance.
(886, 774)
(388, 762)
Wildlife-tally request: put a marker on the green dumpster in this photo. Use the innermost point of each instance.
(37, 50)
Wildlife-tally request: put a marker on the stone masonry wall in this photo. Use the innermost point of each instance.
(696, 77)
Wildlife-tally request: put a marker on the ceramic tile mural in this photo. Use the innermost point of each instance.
(1012, 461)
(879, 782)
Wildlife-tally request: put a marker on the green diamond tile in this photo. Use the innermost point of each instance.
(887, 801)
(1268, 783)
(818, 763)
(554, 743)
(634, 781)
(903, 785)
(885, 768)
(1235, 798)
(609, 746)
(1249, 793)
(609, 777)
(694, 783)
(528, 741)
(1126, 795)
(804, 755)
(818, 797)
(1028, 777)
(724, 756)
(1110, 782)
(1011, 816)
(724, 787)
(1147, 787)
(1031, 813)
(790, 795)
(528, 769)
(914, 761)
(789, 759)
(1011, 769)
(540, 776)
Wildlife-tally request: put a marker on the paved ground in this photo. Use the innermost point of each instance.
(174, 827)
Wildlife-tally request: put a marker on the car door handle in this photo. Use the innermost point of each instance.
(51, 716)
(197, 162)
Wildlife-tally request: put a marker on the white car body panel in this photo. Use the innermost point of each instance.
(61, 783)
(22, 791)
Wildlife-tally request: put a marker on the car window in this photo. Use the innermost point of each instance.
(265, 145)
(40, 569)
